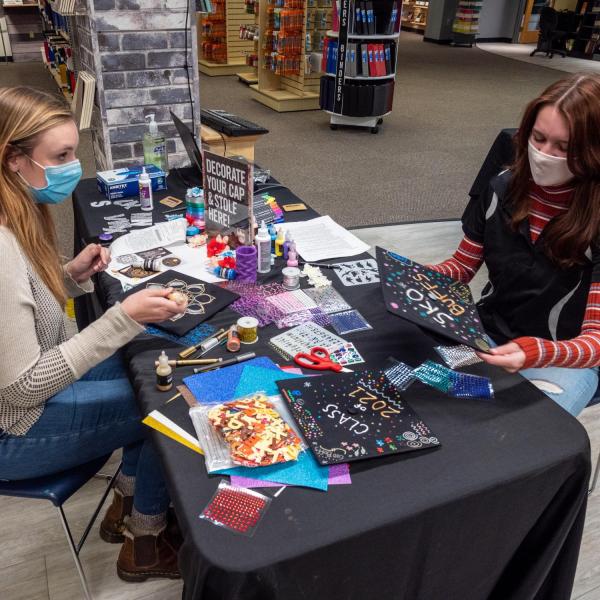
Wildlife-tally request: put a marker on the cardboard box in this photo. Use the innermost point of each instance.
(120, 183)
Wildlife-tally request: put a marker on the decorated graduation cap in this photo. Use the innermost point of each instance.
(430, 299)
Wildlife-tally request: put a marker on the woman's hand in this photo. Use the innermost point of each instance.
(508, 356)
(152, 305)
(92, 259)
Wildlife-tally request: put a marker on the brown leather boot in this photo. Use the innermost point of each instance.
(145, 556)
(113, 524)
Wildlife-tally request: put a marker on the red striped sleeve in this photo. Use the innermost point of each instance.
(581, 352)
(464, 263)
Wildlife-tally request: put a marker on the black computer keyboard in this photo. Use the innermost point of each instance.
(232, 125)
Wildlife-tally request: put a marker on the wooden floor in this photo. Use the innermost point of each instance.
(35, 563)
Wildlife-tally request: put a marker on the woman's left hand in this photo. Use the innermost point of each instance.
(508, 356)
(92, 259)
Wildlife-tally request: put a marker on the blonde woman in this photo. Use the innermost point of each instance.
(65, 401)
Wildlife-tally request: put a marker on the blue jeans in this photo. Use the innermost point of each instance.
(570, 388)
(92, 417)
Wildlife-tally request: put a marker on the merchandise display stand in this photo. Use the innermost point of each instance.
(220, 50)
(249, 74)
(414, 15)
(360, 64)
(292, 32)
(466, 23)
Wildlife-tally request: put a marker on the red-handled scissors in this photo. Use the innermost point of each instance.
(319, 360)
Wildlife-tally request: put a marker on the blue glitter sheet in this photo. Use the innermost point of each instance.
(220, 385)
(191, 338)
(256, 379)
(305, 472)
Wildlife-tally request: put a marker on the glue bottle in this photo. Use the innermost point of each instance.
(263, 247)
(292, 260)
(164, 373)
(286, 244)
(145, 184)
(279, 241)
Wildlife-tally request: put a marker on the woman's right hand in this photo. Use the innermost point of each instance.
(151, 305)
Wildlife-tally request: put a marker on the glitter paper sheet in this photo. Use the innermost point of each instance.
(328, 299)
(219, 385)
(254, 379)
(458, 356)
(191, 338)
(349, 321)
(399, 374)
(314, 315)
(304, 472)
(236, 509)
(338, 475)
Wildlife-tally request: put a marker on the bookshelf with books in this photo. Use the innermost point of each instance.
(357, 87)
(292, 36)
(587, 41)
(221, 51)
(414, 15)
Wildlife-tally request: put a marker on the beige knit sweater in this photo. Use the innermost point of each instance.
(36, 358)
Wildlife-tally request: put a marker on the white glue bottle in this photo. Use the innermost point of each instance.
(263, 247)
(145, 184)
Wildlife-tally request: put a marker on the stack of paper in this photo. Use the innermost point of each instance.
(322, 238)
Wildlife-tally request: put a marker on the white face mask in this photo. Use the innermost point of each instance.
(548, 170)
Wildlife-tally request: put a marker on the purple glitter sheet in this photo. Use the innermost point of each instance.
(316, 315)
(252, 301)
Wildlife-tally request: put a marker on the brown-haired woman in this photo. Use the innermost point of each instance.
(64, 401)
(537, 230)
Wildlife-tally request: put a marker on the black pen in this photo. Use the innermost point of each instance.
(226, 363)
(316, 264)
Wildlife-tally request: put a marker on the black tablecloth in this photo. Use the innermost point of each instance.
(496, 512)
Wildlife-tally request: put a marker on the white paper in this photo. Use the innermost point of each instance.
(322, 238)
(163, 234)
(193, 263)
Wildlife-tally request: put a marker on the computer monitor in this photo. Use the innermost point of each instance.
(189, 142)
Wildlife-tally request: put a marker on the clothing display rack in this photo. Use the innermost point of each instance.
(292, 34)
(220, 49)
(358, 86)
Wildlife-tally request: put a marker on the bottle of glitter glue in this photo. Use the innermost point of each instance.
(145, 184)
(263, 247)
(164, 373)
(279, 241)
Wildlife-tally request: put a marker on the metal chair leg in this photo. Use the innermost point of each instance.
(595, 477)
(98, 508)
(83, 580)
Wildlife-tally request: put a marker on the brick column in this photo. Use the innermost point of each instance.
(139, 50)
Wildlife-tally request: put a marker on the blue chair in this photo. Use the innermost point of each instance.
(58, 488)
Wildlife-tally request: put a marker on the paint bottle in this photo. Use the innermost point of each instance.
(286, 244)
(263, 247)
(164, 373)
(273, 234)
(292, 256)
(146, 200)
(279, 241)
(233, 339)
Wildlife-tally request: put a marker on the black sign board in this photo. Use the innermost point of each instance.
(228, 193)
(340, 70)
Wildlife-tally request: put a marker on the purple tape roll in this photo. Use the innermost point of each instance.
(246, 263)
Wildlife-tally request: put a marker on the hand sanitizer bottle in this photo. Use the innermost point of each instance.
(155, 146)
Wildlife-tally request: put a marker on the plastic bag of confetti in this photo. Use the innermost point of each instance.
(237, 509)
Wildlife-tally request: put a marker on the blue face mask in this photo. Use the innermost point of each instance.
(61, 180)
